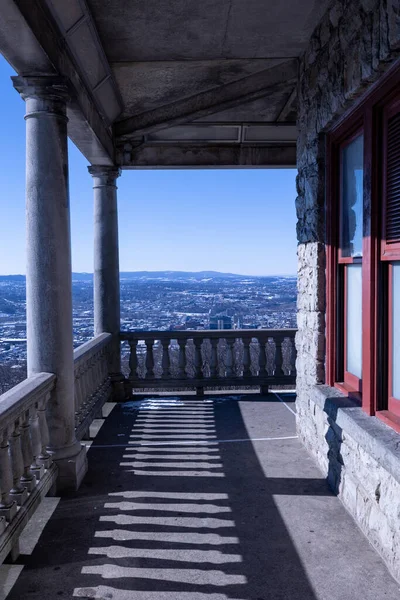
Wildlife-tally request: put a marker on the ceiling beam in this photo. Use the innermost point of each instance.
(33, 46)
(288, 106)
(218, 99)
(206, 156)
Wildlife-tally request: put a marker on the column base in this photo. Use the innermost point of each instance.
(71, 472)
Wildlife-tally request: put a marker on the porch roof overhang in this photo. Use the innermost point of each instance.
(171, 83)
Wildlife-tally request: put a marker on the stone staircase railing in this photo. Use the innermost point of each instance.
(26, 469)
(210, 358)
(92, 381)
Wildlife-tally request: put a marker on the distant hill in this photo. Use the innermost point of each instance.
(158, 275)
(12, 277)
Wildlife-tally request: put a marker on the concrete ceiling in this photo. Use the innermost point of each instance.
(214, 80)
(161, 30)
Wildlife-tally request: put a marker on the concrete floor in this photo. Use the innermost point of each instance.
(193, 500)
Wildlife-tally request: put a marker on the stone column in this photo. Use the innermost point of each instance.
(106, 265)
(48, 271)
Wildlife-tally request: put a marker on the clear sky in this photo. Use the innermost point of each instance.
(238, 221)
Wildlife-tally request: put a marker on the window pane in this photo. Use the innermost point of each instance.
(396, 330)
(351, 210)
(354, 320)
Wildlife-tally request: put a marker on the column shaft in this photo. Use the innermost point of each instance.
(106, 259)
(48, 272)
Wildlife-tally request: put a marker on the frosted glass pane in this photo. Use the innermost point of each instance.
(354, 320)
(396, 331)
(351, 210)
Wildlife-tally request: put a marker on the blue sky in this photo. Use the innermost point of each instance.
(240, 221)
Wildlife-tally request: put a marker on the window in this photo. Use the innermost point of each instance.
(363, 252)
(350, 257)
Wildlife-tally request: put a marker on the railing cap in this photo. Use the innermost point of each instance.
(84, 351)
(207, 334)
(18, 399)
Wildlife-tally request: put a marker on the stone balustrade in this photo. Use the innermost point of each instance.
(26, 468)
(210, 358)
(92, 381)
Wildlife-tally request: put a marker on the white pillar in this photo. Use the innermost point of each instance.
(48, 272)
(106, 261)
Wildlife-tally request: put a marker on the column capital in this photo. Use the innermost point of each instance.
(106, 175)
(43, 87)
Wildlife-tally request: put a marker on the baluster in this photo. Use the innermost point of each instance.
(166, 361)
(88, 384)
(94, 377)
(246, 357)
(262, 361)
(83, 387)
(198, 361)
(8, 506)
(92, 380)
(182, 359)
(37, 469)
(102, 374)
(133, 362)
(78, 394)
(28, 478)
(18, 491)
(44, 457)
(229, 361)
(214, 371)
(278, 372)
(149, 359)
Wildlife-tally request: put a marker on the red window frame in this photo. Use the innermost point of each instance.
(368, 115)
(389, 253)
(337, 375)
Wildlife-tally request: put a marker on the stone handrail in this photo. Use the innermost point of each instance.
(92, 381)
(209, 358)
(26, 468)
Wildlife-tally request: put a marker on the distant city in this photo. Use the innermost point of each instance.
(164, 300)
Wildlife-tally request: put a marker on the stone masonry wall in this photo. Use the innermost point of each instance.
(353, 45)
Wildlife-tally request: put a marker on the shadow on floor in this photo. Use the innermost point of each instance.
(169, 512)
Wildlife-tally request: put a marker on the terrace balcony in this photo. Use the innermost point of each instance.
(186, 497)
(173, 84)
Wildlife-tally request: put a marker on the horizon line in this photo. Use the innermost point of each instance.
(171, 271)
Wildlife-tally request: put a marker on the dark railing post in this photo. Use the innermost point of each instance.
(229, 360)
(182, 359)
(278, 357)
(166, 362)
(149, 359)
(246, 357)
(133, 364)
(214, 358)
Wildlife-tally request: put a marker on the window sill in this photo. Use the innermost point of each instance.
(348, 391)
(377, 438)
(390, 419)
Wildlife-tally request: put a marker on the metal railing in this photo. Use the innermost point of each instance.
(211, 358)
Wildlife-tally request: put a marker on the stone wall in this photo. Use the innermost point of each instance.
(351, 48)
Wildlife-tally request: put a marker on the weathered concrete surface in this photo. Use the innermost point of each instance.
(233, 508)
(189, 30)
(48, 273)
(354, 43)
(360, 456)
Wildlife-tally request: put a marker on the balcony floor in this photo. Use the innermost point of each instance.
(193, 500)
